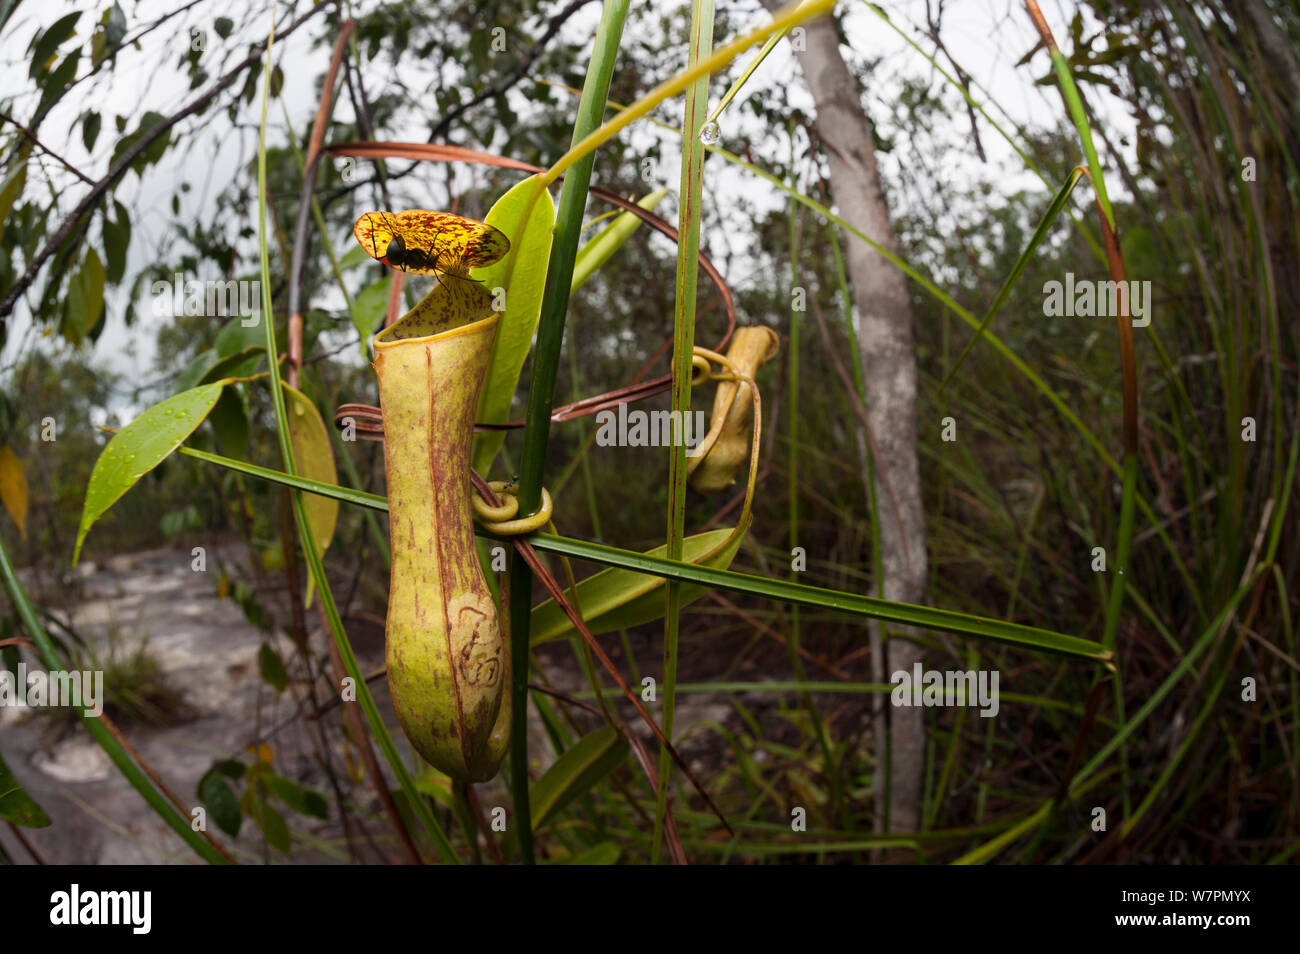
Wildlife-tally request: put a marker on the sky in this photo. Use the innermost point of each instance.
(988, 37)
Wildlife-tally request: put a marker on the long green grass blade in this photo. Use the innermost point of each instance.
(688, 229)
(923, 617)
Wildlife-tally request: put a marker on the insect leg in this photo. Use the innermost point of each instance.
(383, 217)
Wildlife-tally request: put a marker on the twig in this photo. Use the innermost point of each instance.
(443, 126)
(46, 149)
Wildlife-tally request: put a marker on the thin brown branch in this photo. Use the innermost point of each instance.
(46, 149)
(305, 199)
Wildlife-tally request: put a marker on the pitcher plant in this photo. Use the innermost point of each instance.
(447, 647)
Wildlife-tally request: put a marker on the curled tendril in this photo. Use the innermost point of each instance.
(500, 520)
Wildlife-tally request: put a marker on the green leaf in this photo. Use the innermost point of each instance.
(16, 806)
(236, 336)
(800, 594)
(155, 150)
(216, 794)
(85, 299)
(273, 826)
(241, 364)
(437, 786)
(140, 447)
(370, 307)
(49, 41)
(230, 423)
(108, 35)
(353, 257)
(203, 362)
(7, 8)
(91, 122)
(592, 757)
(617, 599)
(115, 25)
(231, 768)
(526, 263)
(117, 238)
(57, 83)
(478, 50)
(93, 275)
(214, 364)
(303, 800)
(1044, 227)
(609, 240)
(272, 668)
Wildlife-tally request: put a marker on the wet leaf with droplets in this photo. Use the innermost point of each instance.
(140, 447)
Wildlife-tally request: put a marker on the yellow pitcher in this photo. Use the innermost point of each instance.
(447, 650)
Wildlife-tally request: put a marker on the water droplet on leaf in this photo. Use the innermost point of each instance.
(710, 133)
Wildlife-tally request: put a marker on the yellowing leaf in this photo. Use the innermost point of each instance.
(314, 458)
(13, 489)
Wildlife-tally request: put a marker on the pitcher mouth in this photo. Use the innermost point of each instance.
(456, 305)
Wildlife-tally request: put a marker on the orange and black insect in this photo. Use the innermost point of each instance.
(421, 242)
(412, 259)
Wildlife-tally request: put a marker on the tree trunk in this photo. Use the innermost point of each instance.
(889, 370)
